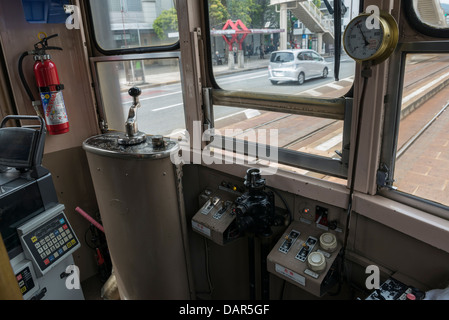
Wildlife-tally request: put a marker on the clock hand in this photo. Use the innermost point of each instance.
(363, 35)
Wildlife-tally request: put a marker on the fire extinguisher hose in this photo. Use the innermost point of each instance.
(25, 84)
(22, 76)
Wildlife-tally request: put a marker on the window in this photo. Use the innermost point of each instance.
(275, 60)
(429, 17)
(127, 34)
(162, 107)
(422, 158)
(433, 13)
(133, 24)
(281, 57)
(414, 154)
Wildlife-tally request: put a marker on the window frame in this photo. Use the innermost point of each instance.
(417, 24)
(102, 118)
(392, 123)
(338, 109)
(115, 52)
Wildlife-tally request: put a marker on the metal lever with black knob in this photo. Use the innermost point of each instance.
(133, 135)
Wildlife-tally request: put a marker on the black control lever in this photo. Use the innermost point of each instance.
(40, 295)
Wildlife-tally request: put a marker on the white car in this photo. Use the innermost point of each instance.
(296, 65)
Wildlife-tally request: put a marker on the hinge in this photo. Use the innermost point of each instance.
(384, 178)
(197, 47)
(208, 112)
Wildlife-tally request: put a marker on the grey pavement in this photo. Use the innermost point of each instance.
(158, 75)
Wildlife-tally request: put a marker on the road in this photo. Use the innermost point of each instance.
(162, 113)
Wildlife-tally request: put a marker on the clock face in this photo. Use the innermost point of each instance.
(362, 40)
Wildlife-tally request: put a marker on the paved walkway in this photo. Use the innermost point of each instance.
(156, 75)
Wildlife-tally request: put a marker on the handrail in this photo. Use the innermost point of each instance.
(326, 23)
(314, 107)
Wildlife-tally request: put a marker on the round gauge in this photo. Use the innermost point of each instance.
(368, 38)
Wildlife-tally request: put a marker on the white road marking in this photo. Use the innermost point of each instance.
(330, 143)
(168, 107)
(424, 88)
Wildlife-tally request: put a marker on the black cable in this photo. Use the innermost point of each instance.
(337, 37)
(283, 200)
(366, 73)
(85, 238)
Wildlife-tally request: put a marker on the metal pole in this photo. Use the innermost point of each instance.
(252, 271)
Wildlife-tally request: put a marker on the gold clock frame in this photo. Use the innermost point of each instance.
(389, 41)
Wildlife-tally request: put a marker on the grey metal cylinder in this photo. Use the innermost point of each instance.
(136, 190)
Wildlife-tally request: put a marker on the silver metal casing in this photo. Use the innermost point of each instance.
(136, 190)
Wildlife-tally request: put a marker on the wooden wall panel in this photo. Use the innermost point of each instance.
(18, 36)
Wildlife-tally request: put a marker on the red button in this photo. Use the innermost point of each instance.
(410, 296)
(46, 261)
(64, 227)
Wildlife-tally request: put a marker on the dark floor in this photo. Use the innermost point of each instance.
(92, 288)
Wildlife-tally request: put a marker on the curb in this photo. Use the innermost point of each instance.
(420, 100)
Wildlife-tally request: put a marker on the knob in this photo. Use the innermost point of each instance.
(316, 261)
(134, 92)
(158, 141)
(328, 242)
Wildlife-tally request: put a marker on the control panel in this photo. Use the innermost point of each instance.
(289, 240)
(48, 239)
(215, 220)
(304, 256)
(26, 278)
(393, 289)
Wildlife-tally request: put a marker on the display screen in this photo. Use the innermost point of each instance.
(17, 147)
(15, 210)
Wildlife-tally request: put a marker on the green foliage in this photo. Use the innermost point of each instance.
(218, 14)
(241, 9)
(263, 12)
(253, 13)
(167, 22)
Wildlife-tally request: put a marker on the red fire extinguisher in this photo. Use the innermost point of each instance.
(50, 88)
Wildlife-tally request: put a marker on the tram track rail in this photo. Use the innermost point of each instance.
(418, 134)
(421, 74)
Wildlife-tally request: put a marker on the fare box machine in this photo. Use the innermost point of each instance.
(37, 234)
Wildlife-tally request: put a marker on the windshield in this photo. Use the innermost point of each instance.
(281, 57)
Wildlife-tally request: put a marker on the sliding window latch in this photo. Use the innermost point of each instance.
(384, 178)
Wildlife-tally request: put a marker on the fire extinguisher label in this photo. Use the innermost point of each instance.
(54, 108)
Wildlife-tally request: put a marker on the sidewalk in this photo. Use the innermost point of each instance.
(157, 75)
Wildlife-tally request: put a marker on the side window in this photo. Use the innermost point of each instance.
(131, 24)
(316, 57)
(429, 17)
(415, 144)
(122, 26)
(433, 13)
(422, 157)
(253, 92)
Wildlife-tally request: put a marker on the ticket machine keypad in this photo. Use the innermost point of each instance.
(51, 241)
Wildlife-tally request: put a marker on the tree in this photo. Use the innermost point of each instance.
(218, 14)
(241, 9)
(167, 22)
